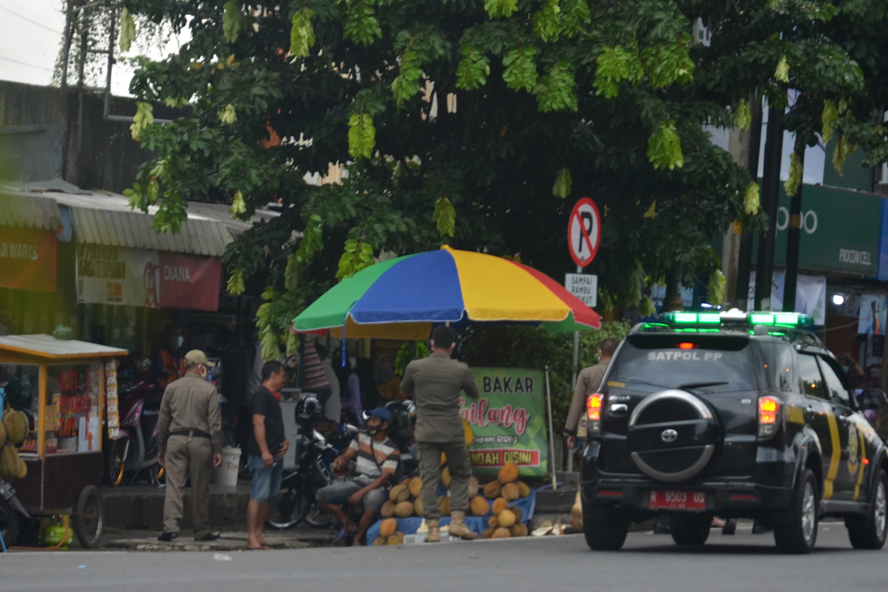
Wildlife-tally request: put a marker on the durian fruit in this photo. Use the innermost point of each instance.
(508, 474)
(404, 509)
(9, 463)
(16, 424)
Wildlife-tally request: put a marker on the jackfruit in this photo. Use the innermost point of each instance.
(417, 507)
(499, 504)
(488, 534)
(519, 515)
(506, 518)
(387, 510)
(519, 530)
(23, 469)
(510, 492)
(2, 434)
(492, 523)
(415, 486)
(16, 424)
(388, 527)
(523, 488)
(501, 533)
(492, 490)
(397, 491)
(508, 474)
(396, 539)
(479, 506)
(404, 509)
(378, 541)
(9, 463)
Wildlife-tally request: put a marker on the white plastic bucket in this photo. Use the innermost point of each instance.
(226, 474)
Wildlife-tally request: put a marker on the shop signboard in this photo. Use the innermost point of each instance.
(841, 230)
(508, 421)
(28, 259)
(152, 279)
(872, 315)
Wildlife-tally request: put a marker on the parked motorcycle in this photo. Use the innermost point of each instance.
(296, 502)
(134, 449)
(11, 509)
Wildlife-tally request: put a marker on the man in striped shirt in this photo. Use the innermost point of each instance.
(377, 460)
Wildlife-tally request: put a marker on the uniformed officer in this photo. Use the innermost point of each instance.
(437, 382)
(588, 382)
(189, 442)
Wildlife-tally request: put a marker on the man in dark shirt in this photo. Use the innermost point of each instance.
(266, 451)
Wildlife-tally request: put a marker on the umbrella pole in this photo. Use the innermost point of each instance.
(551, 432)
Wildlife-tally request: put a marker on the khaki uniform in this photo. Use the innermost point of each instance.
(437, 382)
(588, 382)
(190, 404)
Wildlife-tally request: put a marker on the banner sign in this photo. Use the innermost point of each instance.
(810, 295)
(137, 277)
(872, 314)
(508, 421)
(28, 259)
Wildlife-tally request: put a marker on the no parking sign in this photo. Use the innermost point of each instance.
(584, 232)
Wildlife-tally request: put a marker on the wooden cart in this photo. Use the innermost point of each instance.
(63, 385)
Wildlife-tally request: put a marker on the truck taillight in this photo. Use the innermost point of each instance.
(594, 405)
(769, 412)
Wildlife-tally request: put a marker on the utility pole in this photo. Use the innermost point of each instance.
(672, 300)
(770, 196)
(793, 238)
(744, 259)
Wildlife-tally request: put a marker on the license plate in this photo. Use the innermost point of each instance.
(677, 500)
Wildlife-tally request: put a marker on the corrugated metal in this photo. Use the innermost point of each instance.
(49, 346)
(29, 211)
(133, 230)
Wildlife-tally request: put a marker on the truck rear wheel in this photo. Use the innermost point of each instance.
(870, 532)
(606, 534)
(799, 534)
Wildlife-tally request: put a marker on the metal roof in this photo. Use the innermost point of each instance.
(24, 211)
(47, 346)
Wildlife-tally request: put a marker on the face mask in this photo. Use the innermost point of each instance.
(371, 431)
(180, 341)
(846, 368)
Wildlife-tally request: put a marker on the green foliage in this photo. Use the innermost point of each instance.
(665, 64)
(616, 64)
(751, 200)
(292, 273)
(412, 350)
(473, 69)
(127, 29)
(555, 92)
(312, 240)
(361, 135)
(302, 34)
(828, 119)
(357, 256)
(520, 70)
(228, 115)
(563, 184)
(361, 25)
(407, 83)
(547, 22)
(664, 148)
(843, 150)
(238, 206)
(234, 21)
(794, 181)
(143, 119)
(782, 71)
(236, 283)
(716, 288)
(503, 8)
(445, 217)
(742, 116)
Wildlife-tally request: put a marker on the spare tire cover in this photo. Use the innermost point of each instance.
(672, 435)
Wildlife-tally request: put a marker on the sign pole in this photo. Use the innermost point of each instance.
(551, 433)
(575, 365)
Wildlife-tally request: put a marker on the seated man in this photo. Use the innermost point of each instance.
(377, 461)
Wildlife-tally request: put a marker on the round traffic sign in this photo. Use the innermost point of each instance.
(584, 232)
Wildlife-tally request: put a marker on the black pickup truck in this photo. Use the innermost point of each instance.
(737, 415)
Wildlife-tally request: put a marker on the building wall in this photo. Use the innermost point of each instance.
(96, 153)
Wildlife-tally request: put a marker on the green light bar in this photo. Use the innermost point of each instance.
(684, 317)
(709, 317)
(793, 319)
(758, 318)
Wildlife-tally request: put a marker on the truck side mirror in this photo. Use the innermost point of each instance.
(873, 399)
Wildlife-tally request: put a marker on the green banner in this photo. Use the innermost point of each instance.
(508, 420)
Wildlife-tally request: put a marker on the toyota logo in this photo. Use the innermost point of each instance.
(669, 435)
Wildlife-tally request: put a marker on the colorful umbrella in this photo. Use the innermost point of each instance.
(404, 298)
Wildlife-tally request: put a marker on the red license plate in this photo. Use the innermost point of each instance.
(677, 500)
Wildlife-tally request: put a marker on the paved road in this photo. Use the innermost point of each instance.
(648, 562)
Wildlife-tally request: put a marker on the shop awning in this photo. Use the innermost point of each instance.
(47, 346)
(22, 210)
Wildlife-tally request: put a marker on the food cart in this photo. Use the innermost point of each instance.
(62, 385)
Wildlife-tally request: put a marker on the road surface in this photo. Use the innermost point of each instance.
(648, 562)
